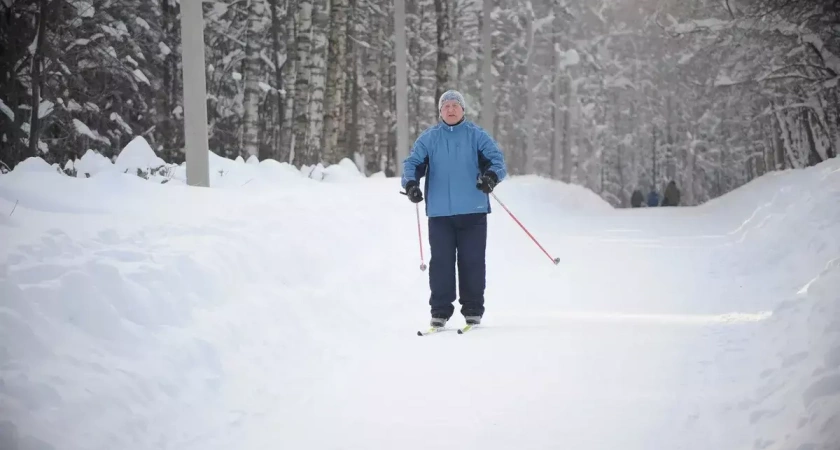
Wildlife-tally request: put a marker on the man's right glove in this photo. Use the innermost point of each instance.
(412, 190)
(487, 182)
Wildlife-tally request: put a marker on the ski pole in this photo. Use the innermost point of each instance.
(420, 238)
(554, 260)
(419, 235)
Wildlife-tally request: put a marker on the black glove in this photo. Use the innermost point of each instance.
(412, 190)
(487, 182)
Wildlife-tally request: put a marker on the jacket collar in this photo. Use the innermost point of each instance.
(455, 127)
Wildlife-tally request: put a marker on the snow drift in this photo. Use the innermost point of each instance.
(795, 402)
(277, 309)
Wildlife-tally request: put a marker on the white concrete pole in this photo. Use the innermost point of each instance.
(402, 84)
(195, 93)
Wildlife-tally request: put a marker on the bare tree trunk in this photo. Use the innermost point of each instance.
(372, 82)
(814, 157)
(528, 125)
(318, 77)
(290, 68)
(389, 138)
(670, 154)
(279, 48)
(653, 158)
(690, 176)
(251, 69)
(787, 152)
(361, 88)
(336, 75)
(401, 97)
(557, 114)
(830, 127)
(487, 106)
(381, 150)
(444, 48)
(301, 111)
(37, 81)
(568, 133)
(417, 83)
(353, 102)
(619, 149)
(837, 119)
(778, 145)
(166, 98)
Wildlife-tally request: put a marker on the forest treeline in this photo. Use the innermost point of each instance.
(615, 96)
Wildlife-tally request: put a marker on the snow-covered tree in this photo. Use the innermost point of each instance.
(615, 96)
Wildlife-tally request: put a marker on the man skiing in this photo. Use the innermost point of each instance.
(462, 165)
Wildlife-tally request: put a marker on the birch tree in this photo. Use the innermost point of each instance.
(251, 69)
(279, 32)
(303, 48)
(443, 69)
(334, 104)
(487, 104)
(401, 85)
(317, 82)
(526, 163)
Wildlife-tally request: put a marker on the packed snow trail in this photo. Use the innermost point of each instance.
(276, 311)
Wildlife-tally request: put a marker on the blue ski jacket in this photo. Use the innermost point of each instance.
(452, 158)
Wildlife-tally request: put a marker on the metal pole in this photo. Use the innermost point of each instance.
(402, 84)
(195, 93)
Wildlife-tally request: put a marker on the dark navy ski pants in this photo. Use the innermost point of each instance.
(461, 240)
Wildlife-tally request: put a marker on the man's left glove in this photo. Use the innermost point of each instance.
(487, 182)
(412, 190)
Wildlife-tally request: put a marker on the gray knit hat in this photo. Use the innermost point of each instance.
(452, 95)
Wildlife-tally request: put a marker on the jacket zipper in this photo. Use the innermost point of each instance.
(449, 178)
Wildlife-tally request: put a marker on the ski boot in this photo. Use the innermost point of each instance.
(473, 320)
(437, 322)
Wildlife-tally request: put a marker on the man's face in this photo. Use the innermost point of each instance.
(451, 112)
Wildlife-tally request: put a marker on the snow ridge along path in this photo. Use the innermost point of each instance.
(275, 310)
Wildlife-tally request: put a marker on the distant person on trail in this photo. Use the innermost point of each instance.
(672, 195)
(462, 164)
(653, 198)
(636, 199)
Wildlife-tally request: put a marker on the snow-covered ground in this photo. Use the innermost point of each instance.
(278, 309)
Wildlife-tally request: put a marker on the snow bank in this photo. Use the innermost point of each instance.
(106, 192)
(531, 196)
(772, 192)
(238, 173)
(130, 329)
(277, 169)
(782, 219)
(91, 164)
(344, 171)
(138, 315)
(785, 227)
(795, 399)
(33, 164)
(138, 157)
